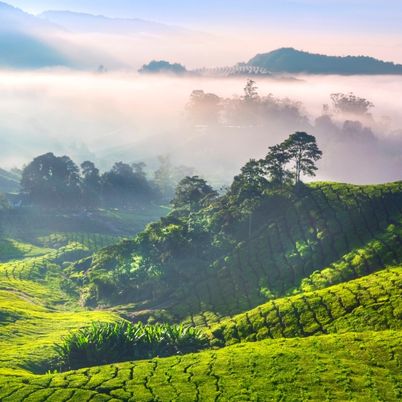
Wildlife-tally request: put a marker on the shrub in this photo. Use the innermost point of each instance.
(105, 343)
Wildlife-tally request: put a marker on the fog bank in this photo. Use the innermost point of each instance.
(125, 116)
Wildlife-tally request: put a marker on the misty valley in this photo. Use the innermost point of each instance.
(186, 215)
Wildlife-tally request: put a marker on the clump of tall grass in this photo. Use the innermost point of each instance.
(105, 343)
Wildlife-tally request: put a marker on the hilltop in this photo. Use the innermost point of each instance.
(292, 61)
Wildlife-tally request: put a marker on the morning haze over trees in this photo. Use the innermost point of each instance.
(253, 110)
(52, 181)
(270, 261)
(188, 234)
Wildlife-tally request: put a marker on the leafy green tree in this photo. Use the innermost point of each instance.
(123, 187)
(163, 177)
(275, 165)
(51, 181)
(251, 182)
(91, 184)
(192, 192)
(303, 151)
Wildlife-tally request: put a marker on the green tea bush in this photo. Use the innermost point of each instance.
(105, 343)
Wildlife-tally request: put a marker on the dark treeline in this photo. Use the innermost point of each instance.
(58, 182)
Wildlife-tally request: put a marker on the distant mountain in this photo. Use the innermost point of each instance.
(88, 23)
(289, 60)
(23, 43)
(28, 41)
(14, 19)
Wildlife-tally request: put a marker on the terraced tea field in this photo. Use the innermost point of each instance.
(373, 302)
(307, 307)
(359, 367)
(35, 312)
(335, 233)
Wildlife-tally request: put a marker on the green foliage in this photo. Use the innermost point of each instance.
(103, 343)
(226, 257)
(304, 152)
(299, 150)
(57, 182)
(51, 181)
(192, 192)
(373, 302)
(11, 249)
(348, 367)
(29, 328)
(213, 269)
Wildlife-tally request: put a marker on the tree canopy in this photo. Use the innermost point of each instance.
(192, 191)
(284, 164)
(303, 151)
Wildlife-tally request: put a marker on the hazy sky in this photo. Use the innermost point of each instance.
(339, 27)
(372, 15)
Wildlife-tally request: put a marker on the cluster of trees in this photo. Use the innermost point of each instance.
(250, 109)
(284, 164)
(54, 181)
(202, 227)
(162, 66)
(350, 104)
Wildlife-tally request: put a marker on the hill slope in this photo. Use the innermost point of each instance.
(24, 40)
(35, 311)
(308, 271)
(289, 60)
(81, 22)
(217, 264)
(360, 367)
(373, 302)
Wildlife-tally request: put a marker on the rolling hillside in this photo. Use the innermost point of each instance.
(327, 234)
(361, 367)
(298, 293)
(369, 303)
(289, 60)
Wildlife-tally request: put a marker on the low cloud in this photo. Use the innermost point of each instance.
(126, 116)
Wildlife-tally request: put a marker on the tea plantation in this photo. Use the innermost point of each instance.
(299, 296)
